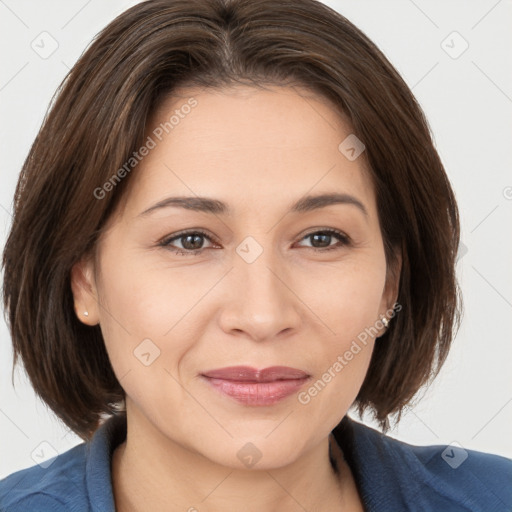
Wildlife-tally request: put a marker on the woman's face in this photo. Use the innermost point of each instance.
(270, 284)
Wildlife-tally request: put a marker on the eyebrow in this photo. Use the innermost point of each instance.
(216, 207)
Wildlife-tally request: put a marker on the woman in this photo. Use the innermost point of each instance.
(232, 227)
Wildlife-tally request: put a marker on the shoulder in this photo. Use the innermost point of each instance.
(435, 477)
(78, 480)
(56, 485)
(471, 479)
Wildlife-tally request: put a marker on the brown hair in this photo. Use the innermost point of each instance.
(98, 119)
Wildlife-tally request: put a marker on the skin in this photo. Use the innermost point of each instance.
(258, 151)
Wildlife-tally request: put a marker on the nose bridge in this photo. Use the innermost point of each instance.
(261, 304)
(257, 265)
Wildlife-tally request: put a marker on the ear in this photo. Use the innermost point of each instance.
(391, 288)
(393, 280)
(85, 295)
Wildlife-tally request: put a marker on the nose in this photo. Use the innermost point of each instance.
(260, 302)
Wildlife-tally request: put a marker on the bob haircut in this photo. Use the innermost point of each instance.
(98, 119)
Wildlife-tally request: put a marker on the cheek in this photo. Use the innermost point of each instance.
(347, 296)
(350, 309)
(142, 309)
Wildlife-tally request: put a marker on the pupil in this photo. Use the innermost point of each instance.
(195, 245)
(325, 237)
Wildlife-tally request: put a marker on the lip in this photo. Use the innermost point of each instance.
(249, 374)
(251, 386)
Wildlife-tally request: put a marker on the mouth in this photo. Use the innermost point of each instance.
(251, 386)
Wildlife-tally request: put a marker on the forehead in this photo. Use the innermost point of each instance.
(249, 146)
(245, 118)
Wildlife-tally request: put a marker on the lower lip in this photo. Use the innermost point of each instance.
(258, 393)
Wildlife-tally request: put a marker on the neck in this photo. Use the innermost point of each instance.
(152, 472)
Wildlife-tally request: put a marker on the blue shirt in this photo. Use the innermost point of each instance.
(391, 475)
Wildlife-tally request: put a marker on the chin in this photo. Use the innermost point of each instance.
(253, 453)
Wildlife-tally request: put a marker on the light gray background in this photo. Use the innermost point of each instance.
(468, 102)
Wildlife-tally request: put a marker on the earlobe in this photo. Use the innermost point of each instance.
(83, 287)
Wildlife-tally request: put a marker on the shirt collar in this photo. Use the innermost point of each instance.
(99, 453)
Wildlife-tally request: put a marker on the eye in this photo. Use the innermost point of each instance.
(321, 240)
(191, 241)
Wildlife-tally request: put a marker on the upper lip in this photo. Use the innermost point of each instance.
(247, 373)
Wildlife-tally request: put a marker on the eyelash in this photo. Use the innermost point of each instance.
(344, 239)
